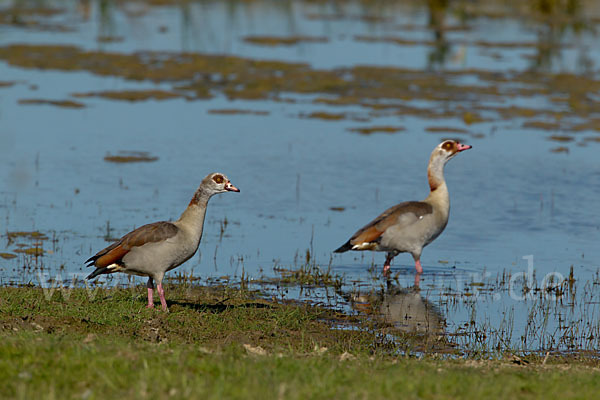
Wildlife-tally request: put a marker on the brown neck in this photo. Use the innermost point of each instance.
(434, 182)
(193, 215)
(435, 173)
(200, 198)
(438, 196)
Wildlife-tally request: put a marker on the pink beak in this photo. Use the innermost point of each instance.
(462, 147)
(230, 187)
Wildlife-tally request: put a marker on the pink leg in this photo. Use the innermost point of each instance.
(417, 280)
(150, 286)
(161, 294)
(419, 272)
(150, 299)
(387, 266)
(418, 267)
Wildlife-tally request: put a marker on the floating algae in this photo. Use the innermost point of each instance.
(382, 89)
(284, 41)
(32, 251)
(367, 130)
(132, 95)
(34, 235)
(130, 157)
(57, 103)
(236, 111)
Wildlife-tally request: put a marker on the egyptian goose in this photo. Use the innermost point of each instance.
(153, 249)
(412, 225)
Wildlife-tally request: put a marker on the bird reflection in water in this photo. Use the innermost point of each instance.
(404, 308)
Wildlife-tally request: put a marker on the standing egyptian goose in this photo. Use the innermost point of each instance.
(412, 225)
(152, 250)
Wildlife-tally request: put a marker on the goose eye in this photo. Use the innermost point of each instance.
(448, 145)
(218, 179)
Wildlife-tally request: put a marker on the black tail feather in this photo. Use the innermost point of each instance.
(343, 248)
(97, 272)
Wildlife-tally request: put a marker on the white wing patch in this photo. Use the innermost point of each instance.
(364, 246)
(115, 268)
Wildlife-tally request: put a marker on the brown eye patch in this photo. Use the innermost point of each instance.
(449, 145)
(218, 179)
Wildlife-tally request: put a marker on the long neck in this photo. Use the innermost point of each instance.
(437, 184)
(193, 216)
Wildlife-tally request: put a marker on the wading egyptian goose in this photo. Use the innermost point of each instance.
(153, 249)
(412, 225)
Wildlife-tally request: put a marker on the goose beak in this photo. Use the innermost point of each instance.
(463, 147)
(230, 187)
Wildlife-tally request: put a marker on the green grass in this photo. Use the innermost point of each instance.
(38, 365)
(213, 316)
(111, 346)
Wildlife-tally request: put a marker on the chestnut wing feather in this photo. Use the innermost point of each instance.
(403, 214)
(149, 233)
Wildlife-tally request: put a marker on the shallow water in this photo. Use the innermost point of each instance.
(512, 197)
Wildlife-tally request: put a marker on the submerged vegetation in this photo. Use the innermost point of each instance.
(470, 95)
(283, 41)
(130, 157)
(131, 95)
(377, 129)
(383, 91)
(234, 111)
(57, 103)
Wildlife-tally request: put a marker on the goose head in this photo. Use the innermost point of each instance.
(217, 183)
(448, 149)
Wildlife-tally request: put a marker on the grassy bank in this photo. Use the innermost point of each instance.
(226, 343)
